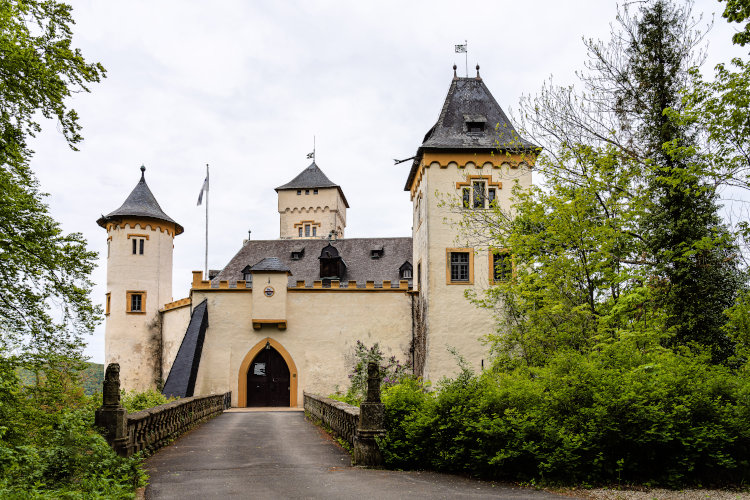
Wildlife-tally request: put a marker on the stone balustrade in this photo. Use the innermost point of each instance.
(360, 427)
(340, 417)
(150, 429)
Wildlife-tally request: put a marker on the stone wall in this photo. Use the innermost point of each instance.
(340, 417)
(155, 427)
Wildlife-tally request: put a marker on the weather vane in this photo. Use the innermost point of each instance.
(465, 50)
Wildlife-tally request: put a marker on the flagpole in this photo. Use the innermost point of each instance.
(467, 57)
(207, 189)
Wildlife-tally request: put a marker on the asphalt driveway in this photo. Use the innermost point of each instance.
(274, 454)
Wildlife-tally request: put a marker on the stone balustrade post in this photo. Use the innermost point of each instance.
(371, 418)
(111, 417)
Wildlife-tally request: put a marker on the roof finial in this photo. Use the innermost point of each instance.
(143, 173)
(454, 71)
(478, 77)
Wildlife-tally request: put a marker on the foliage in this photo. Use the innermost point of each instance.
(738, 11)
(136, 401)
(41, 265)
(623, 414)
(90, 378)
(48, 445)
(391, 371)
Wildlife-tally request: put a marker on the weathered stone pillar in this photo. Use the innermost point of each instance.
(371, 416)
(112, 418)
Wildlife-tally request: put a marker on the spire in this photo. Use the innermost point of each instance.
(140, 203)
(471, 119)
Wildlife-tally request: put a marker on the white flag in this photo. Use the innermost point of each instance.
(460, 49)
(204, 189)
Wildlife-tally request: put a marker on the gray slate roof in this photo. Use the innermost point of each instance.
(310, 178)
(140, 203)
(469, 100)
(181, 379)
(270, 265)
(354, 251)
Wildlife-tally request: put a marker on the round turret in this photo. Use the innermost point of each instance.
(139, 282)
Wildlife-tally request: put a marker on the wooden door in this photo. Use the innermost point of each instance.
(268, 379)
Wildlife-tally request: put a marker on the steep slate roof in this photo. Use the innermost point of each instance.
(310, 178)
(469, 100)
(270, 265)
(354, 251)
(140, 203)
(181, 379)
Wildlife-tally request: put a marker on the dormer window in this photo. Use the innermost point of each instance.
(405, 271)
(298, 253)
(376, 253)
(247, 275)
(474, 127)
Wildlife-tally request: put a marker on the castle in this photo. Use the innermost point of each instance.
(283, 316)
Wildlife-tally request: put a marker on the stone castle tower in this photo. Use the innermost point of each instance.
(139, 282)
(469, 160)
(311, 206)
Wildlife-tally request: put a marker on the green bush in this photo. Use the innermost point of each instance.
(136, 401)
(618, 415)
(48, 445)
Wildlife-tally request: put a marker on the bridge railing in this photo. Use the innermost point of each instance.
(151, 429)
(359, 426)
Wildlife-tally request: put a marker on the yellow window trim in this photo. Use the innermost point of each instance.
(312, 222)
(492, 253)
(107, 303)
(448, 252)
(129, 294)
(471, 178)
(133, 235)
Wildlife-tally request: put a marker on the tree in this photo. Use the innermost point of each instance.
(44, 291)
(628, 144)
(738, 11)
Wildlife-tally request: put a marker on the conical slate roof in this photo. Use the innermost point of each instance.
(140, 203)
(470, 118)
(312, 177)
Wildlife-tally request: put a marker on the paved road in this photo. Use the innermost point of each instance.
(281, 455)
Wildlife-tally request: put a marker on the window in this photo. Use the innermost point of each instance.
(307, 229)
(138, 246)
(502, 266)
(299, 192)
(376, 253)
(315, 231)
(109, 241)
(315, 191)
(460, 266)
(491, 197)
(107, 303)
(135, 302)
(419, 275)
(300, 232)
(307, 191)
(478, 187)
(466, 197)
(475, 127)
(406, 274)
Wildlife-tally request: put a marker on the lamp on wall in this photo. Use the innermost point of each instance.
(268, 345)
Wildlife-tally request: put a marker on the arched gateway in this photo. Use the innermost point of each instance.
(267, 376)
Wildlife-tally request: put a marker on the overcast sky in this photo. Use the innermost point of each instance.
(244, 86)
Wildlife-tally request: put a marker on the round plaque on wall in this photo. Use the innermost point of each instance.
(269, 291)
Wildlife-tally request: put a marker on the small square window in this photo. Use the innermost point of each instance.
(135, 302)
(307, 191)
(299, 192)
(315, 191)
